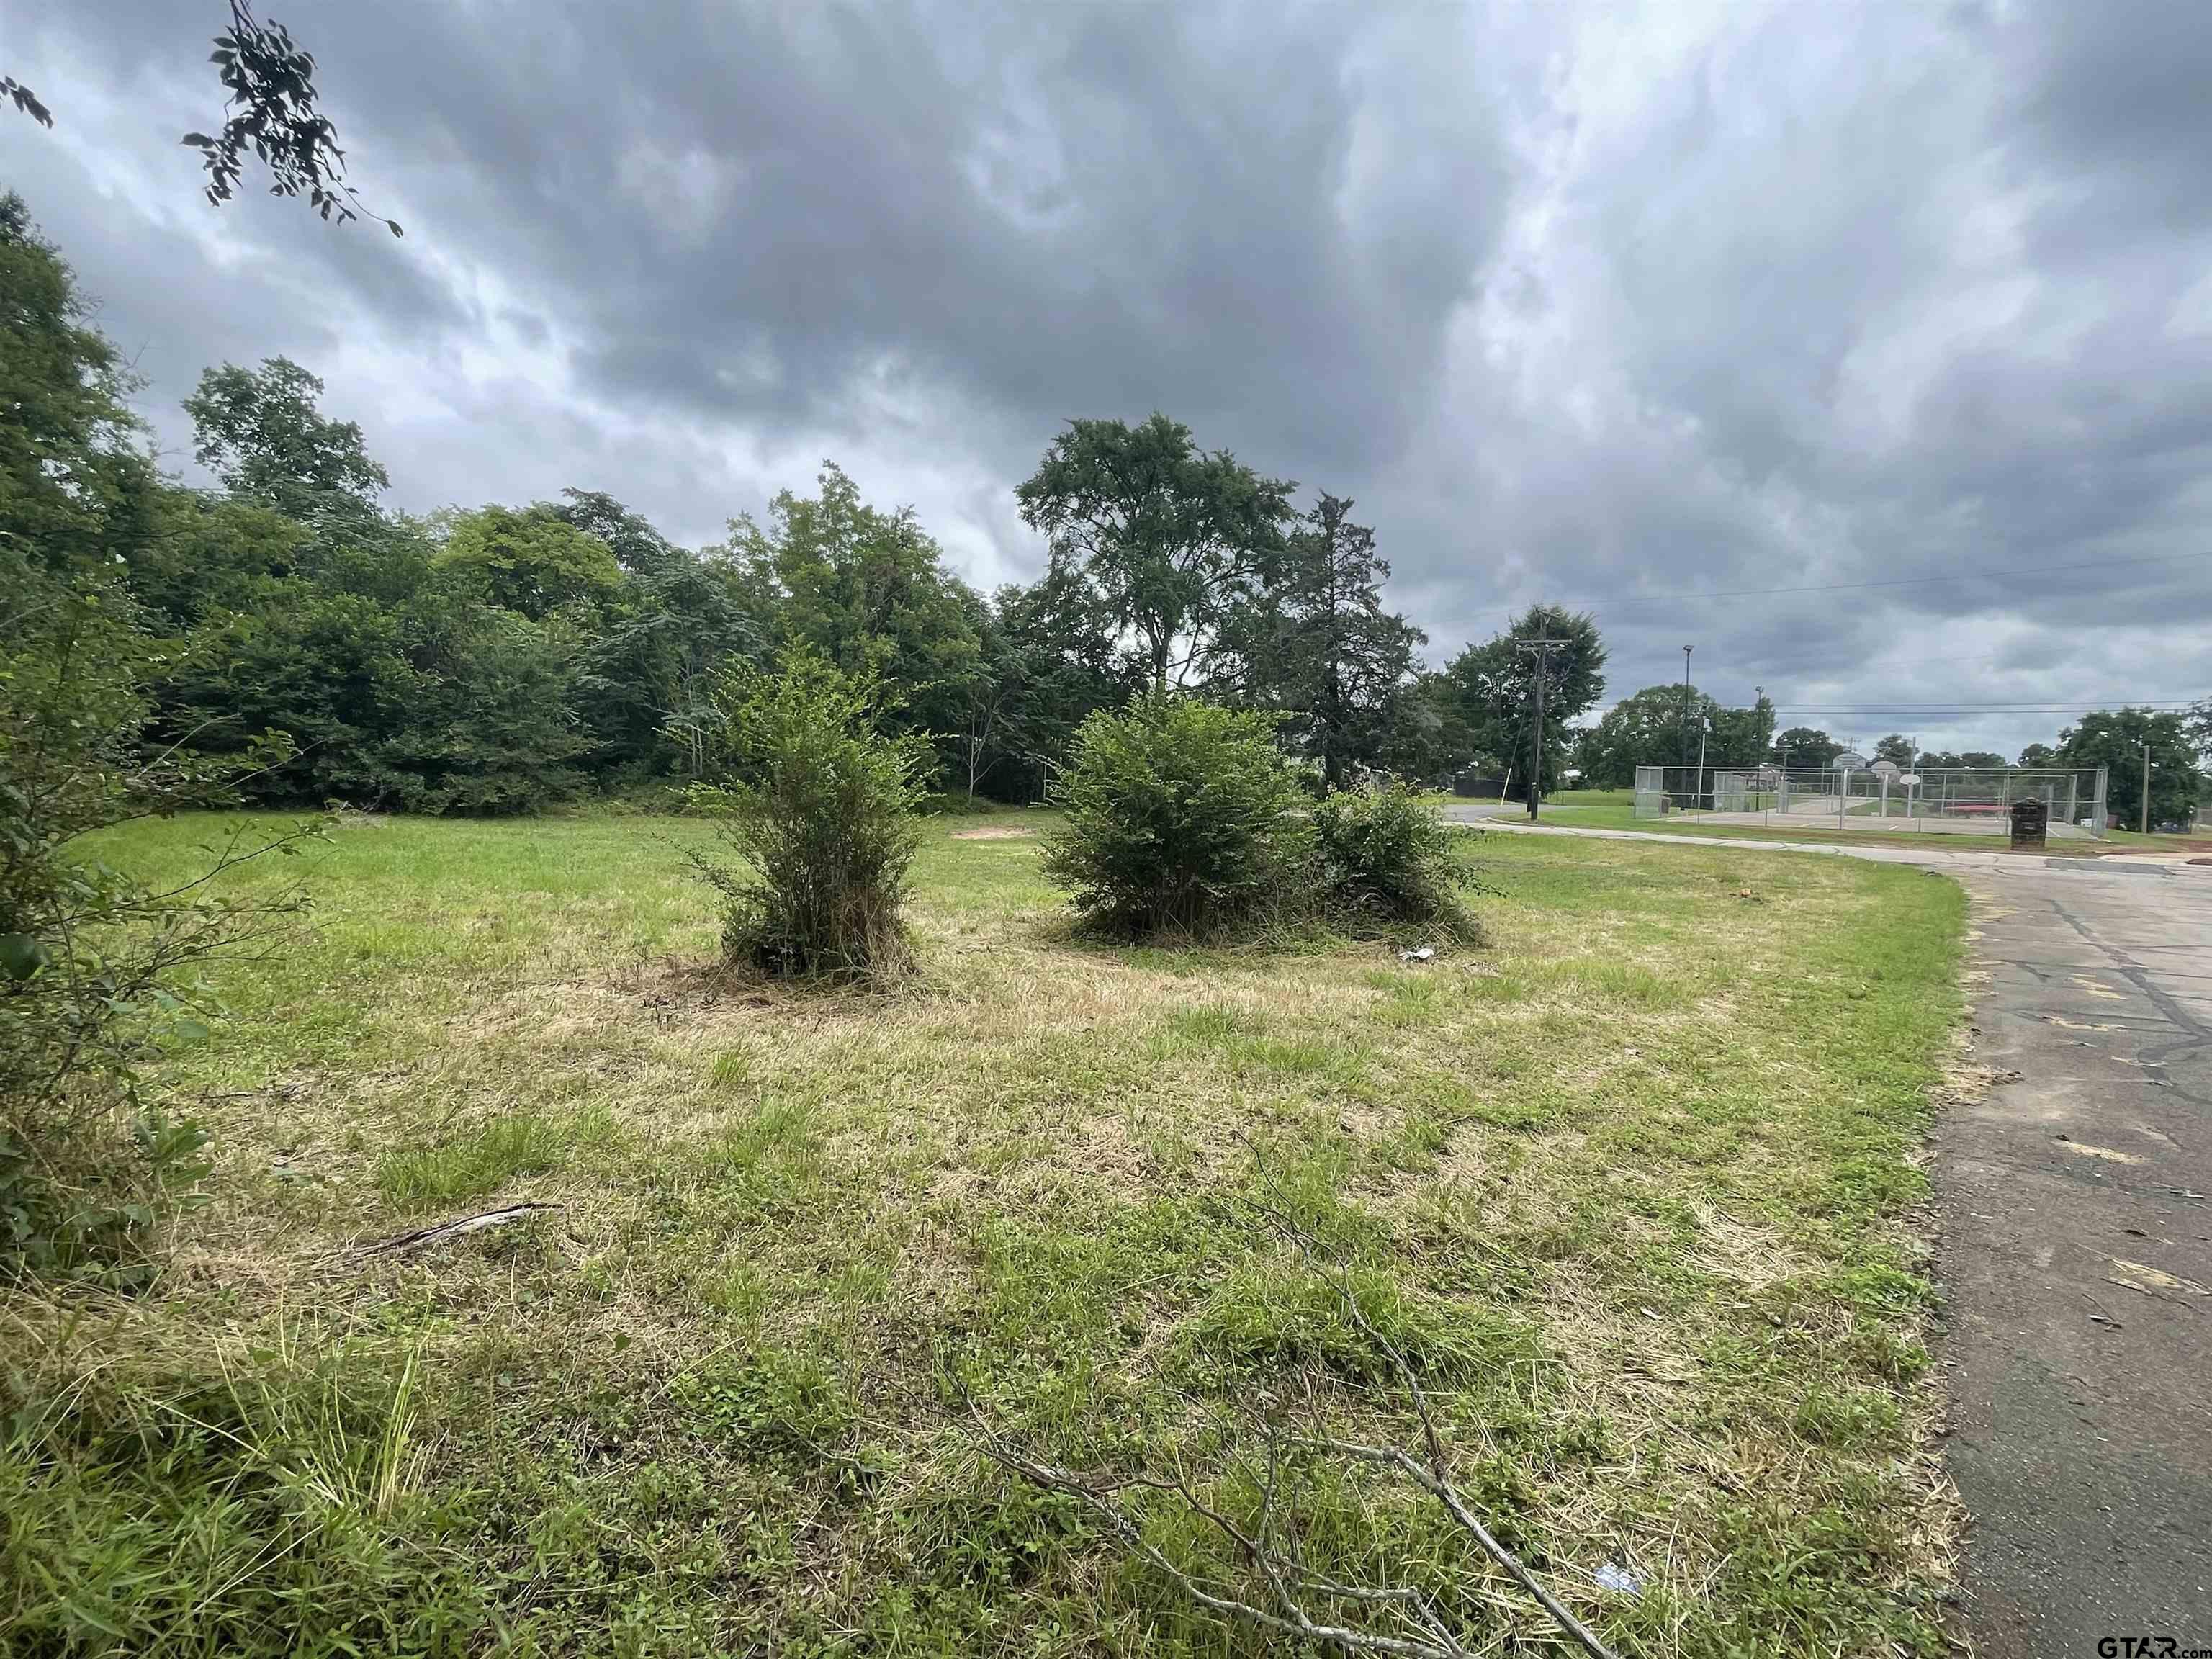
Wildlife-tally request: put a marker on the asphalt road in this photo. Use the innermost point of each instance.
(2075, 1202)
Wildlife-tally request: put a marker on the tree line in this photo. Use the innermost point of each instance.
(507, 657)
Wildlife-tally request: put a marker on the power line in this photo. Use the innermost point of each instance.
(1891, 581)
(2083, 706)
(1918, 581)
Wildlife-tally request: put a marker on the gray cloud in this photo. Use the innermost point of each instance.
(1582, 305)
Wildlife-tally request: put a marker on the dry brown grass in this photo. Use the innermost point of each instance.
(1643, 1166)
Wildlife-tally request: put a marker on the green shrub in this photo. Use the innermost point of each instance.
(1180, 817)
(97, 968)
(1386, 856)
(818, 804)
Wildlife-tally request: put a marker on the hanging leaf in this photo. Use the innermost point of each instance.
(21, 955)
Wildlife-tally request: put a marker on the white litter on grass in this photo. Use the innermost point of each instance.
(1615, 1576)
(1421, 955)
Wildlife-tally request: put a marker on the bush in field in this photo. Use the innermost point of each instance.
(96, 967)
(1179, 816)
(818, 804)
(1386, 856)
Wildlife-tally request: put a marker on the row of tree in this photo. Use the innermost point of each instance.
(501, 658)
(505, 658)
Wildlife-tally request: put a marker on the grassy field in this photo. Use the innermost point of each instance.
(1632, 1183)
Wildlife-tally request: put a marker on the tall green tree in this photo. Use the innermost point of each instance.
(1425, 734)
(530, 560)
(1492, 687)
(1896, 748)
(1057, 665)
(1319, 647)
(1646, 730)
(1174, 538)
(74, 473)
(1740, 737)
(639, 548)
(866, 590)
(1802, 746)
(262, 432)
(2114, 738)
(646, 681)
(207, 555)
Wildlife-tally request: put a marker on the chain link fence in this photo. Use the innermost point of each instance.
(1967, 802)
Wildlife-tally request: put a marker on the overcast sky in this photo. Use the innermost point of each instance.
(1583, 305)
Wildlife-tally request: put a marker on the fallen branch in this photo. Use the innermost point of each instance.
(1292, 1619)
(1421, 1632)
(422, 1238)
(1436, 1480)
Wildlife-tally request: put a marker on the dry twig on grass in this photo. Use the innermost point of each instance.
(423, 1237)
(1401, 1620)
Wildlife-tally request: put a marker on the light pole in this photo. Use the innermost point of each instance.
(1686, 703)
(2146, 794)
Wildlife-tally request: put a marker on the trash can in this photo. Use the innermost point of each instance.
(2031, 822)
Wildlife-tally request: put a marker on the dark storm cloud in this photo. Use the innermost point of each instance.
(1591, 306)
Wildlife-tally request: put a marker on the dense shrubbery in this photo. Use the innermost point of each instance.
(817, 802)
(96, 967)
(1180, 817)
(1184, 818)
(1386, 856)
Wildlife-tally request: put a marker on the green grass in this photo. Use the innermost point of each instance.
(1630, 1185)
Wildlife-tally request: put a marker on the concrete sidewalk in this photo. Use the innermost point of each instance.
(2075, 1202)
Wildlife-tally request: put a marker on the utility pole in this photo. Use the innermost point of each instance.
(1541, 650)
(2146, 794)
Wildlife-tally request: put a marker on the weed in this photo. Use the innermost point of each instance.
(468, 1166)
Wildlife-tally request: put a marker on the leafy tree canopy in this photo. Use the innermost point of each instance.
(533, 561)
(637, 546)
(1646, 729)
(1491, 688)
(2114, 738)
(1806, 746)
(1173, 537)
(260, 432)
(865, 590)
(73, 471)
(1318, 647)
